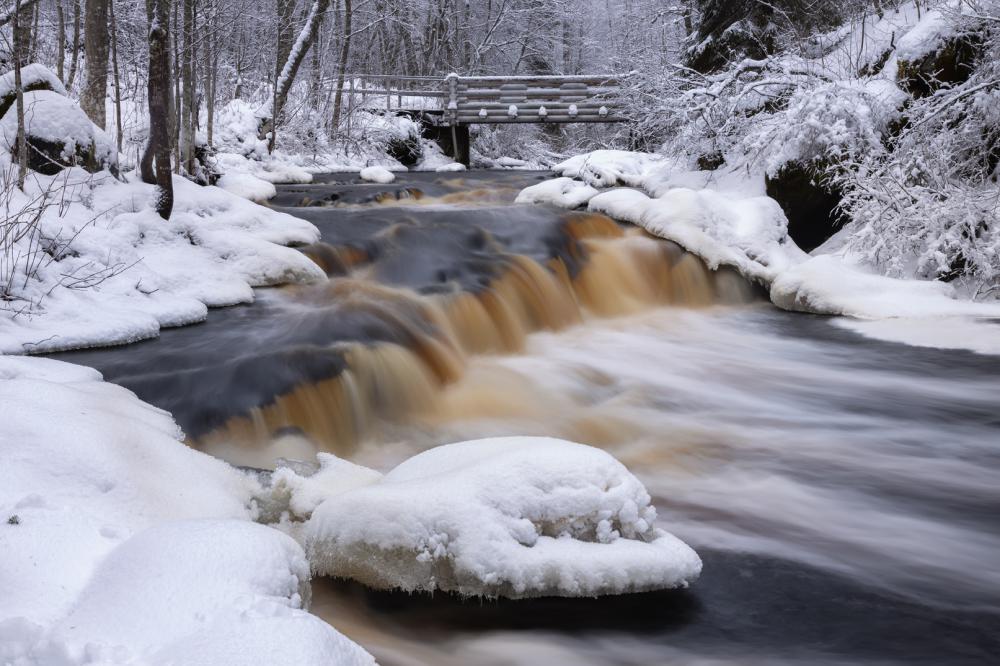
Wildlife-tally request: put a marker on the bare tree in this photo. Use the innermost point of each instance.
(75, 59)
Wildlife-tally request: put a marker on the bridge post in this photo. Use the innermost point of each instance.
(459, 147)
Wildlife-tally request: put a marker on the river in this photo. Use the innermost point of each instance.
(843, 492)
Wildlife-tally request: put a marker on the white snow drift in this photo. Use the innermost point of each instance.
(515, 517)
(123, 545)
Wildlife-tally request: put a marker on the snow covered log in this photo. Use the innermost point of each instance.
(513, 517)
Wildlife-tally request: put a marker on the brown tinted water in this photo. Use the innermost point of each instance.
(844, 493)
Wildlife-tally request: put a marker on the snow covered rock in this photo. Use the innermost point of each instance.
(608, 168)
(377, 174)
(453, 166)
(563, 192)
(514, 517)
(59, 135)
(33, 77)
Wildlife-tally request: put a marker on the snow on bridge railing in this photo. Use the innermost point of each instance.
(461, 100)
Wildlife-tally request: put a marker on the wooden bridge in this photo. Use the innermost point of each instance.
(469, 100)
(451, 104)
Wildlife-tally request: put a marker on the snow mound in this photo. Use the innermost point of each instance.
(514, 517)
(377, 174)
(33, 76)
(123, 545)
(247, 186)
(214, 580)
(607, 168)
(563, 192)
(926, 36)
(453, 166)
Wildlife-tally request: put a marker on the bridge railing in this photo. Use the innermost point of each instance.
(466, 100)
(531, 99)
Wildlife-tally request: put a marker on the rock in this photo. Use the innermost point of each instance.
(809, 201)
(951, 63)
(34, 77)
(711, 161)
(59, 135)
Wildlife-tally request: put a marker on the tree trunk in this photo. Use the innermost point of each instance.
(76, 44)
(60, 41)
(345, 49)
(188, 113)
(22, 141)
(295, 57)
(92, 99)
(117, 79)
(158, 147)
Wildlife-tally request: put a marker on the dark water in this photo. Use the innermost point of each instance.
(844, 493)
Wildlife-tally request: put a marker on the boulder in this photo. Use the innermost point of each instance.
(951, 63)
(34, 77)
(809, 201)
(58, 135)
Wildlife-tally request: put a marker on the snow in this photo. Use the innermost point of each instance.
(146, 272)
(563, 192)
(926, 36)
(976, 335)
(517, 517)
(128, 545)
(247, 186)
(52, 117)
(377, 174)
(32, 75)
(454, 166)
(725, 218)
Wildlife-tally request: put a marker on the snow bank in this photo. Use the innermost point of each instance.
(452, 166)
(377, 174)
(123, 545)
(564, 192)
(516, 517)
(725, 218)
(247, 186)
(145, 272)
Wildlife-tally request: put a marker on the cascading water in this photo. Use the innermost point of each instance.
(843, 492)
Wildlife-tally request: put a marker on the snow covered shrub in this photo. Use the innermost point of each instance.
(930, 207)
(825, 122)
(236, 130)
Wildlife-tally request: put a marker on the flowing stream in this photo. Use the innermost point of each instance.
(844, 493)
